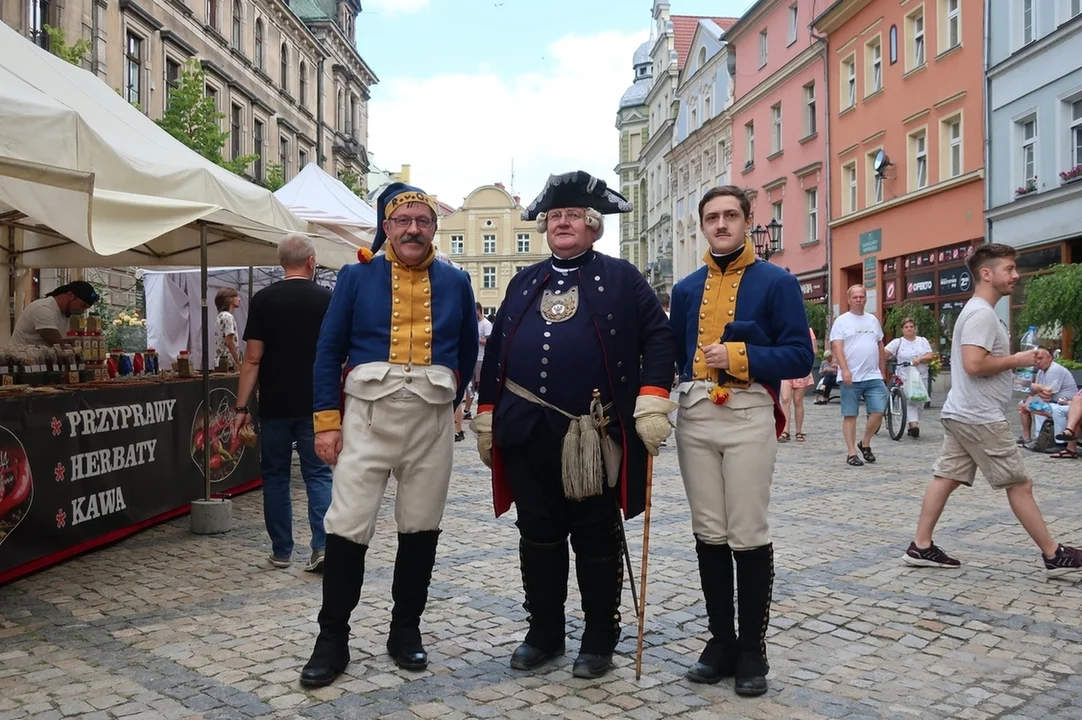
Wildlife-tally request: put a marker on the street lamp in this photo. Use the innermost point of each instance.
(767, 239)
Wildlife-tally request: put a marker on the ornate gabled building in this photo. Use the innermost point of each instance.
(632, 120)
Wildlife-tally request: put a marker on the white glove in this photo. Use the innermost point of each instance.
(652, 420)
(482, 425)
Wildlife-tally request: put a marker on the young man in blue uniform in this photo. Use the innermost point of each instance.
(566, 415)
(740, 330)
(403, 325)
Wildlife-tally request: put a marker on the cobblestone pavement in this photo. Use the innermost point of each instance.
(171, 625)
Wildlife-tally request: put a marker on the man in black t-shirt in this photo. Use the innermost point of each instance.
(283, 327)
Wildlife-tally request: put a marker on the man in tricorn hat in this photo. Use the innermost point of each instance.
(403, 325)
(566, 415)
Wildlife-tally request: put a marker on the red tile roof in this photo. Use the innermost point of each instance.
(683, 27)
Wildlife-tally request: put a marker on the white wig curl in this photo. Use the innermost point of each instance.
(594, 220)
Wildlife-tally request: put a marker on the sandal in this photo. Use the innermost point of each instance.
(800, 437)
(1065, 455)
(869, 456)
(1067, 435)
(784, 437)
(854, 461)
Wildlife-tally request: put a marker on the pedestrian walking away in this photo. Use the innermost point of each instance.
(976, 433)
(404, 327)
(917, 351)
(280, 336)
(567, 414)
(792, 402)
(740, 330)
(856, 338)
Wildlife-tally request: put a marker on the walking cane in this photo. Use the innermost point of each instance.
(645, 556)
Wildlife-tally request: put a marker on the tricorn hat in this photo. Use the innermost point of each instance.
(393, 197)
(577, 189)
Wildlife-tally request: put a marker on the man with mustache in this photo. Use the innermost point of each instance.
(574, 393)
(740, 330)
(404, 328)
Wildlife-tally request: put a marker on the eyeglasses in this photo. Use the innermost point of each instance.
(423, 223)
(572, 215)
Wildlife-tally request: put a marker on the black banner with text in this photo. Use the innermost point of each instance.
(76, 466)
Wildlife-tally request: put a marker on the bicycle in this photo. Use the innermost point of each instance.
(895, 412)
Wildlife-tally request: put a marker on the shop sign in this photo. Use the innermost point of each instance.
(813, 288)
(955, 281)
(891, 291)
(871, 241)
(920, 285)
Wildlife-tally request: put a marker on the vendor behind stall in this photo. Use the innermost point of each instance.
(45, 321)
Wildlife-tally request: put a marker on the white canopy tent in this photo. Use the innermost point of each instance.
(326, 203)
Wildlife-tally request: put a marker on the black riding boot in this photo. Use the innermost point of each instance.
(718, 660)
(754, 588)
(600, 570)
(544, 580)
(343, 575)
(412, 574)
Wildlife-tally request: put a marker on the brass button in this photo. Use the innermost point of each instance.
(396, 286)
(396, 265)
(739, 272)
(743, 368)
(428, 318)
(702, 331)
(426, 291)
(396, 277)
(396, 313)
(736, 284)
(394, 328)
(394, 341)
(398, 300)
(428, 359)
(428, 331)
(704, 301)
(697, 358)
(409, 380)
(708, 286)
(732, 298)
(700, 346)
(424, 278)
(394, 356)
(702, 316)
(408, 368)
(428, 344)
(427, 303)
(730, 313)
(741, 351)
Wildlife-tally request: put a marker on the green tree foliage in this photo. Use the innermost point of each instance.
(926, 320)
(58, 45)
(353, 181)
(1054, 300)
(817, 319)
(192, 118)
(275, 178)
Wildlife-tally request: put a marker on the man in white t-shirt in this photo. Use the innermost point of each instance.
(976, 433)
(1053, 384)
(857, 341)
(45, 321)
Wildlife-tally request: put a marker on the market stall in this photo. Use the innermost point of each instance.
(87, 179)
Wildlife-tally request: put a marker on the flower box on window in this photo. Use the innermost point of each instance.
(1071, 175)
(1029, 187)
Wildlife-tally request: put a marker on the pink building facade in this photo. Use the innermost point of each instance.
(779, 132)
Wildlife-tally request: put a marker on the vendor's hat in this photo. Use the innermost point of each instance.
(80, 289)
(577, 189)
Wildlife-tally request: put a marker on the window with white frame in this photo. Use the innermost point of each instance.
(794, 22)
(954, 23)
(915, 54)
(775, 136)
(489, 244)
(811, 202)
(809, 109)
(849, 199)
(1027, 129)
(1028, 33)
(874, 194)
(951, 134)
(1076, 133)
(873, 61)
(523, 243)
(775, 214)
(458, 244)
(1076, 8)
(918, 155)
(488, 275)
(749, 134)
(762, 47)
(849, 72)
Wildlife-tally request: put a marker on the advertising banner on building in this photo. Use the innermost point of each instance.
(77, 466)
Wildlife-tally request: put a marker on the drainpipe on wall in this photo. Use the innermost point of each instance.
(825, 44)
(319, 117)
(987, 122)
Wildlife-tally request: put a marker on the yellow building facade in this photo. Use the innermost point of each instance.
(488, 238)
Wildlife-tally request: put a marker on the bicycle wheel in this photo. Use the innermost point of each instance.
(896, 412)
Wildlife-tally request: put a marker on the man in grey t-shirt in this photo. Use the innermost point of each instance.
(975, 430)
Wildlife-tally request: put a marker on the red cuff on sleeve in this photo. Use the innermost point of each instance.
(655, 391)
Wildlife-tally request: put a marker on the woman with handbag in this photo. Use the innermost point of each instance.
(917, 351)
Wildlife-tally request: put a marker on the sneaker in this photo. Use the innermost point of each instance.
(931, 556)
(460, 436)
(1022, 441)
(1066, 561)
(467, 415)
(280, 562)
(315, 563)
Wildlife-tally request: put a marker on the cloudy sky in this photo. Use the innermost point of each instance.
(466, 87)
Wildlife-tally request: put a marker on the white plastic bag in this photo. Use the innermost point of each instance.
(915, 392)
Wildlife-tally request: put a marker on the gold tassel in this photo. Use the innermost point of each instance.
(570, 464)
(590, 453)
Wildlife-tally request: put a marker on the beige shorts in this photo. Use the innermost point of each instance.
(990, 447)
